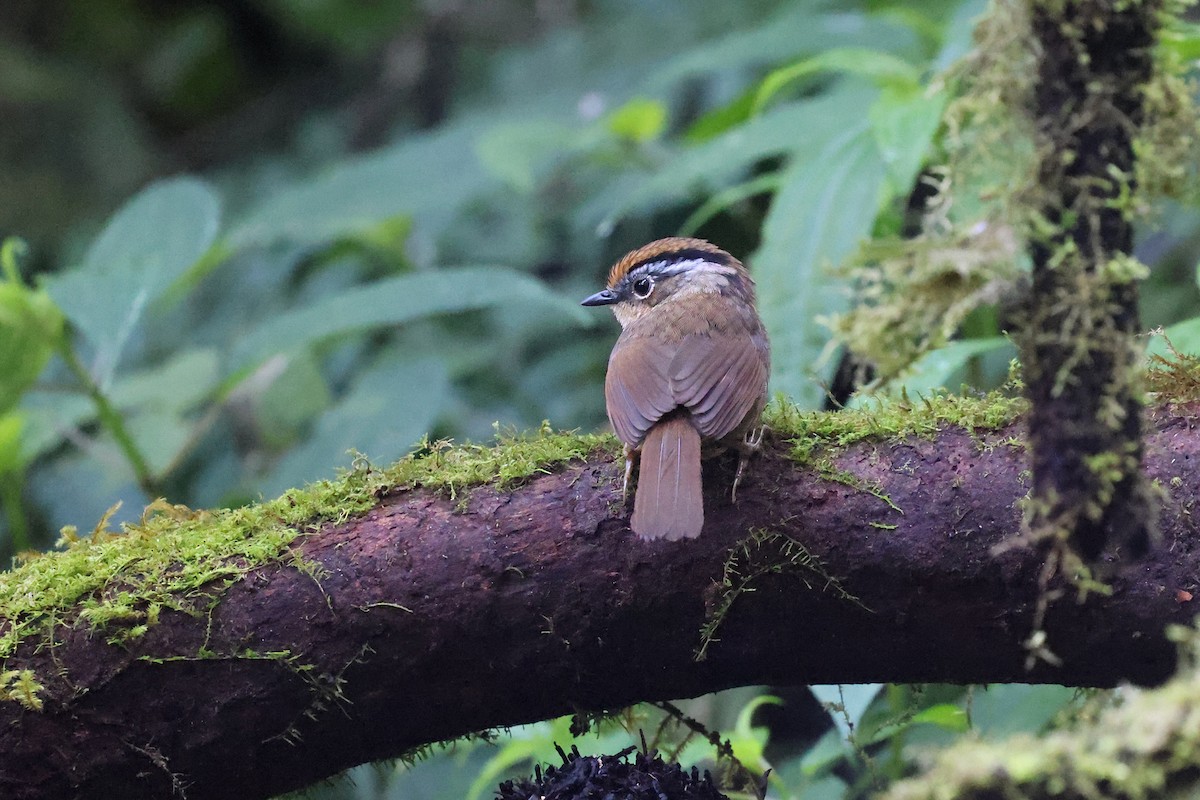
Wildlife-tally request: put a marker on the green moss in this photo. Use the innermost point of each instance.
(179, 559)
(812, 434)
(21, 686)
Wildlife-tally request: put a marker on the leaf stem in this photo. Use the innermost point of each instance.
(111, 419)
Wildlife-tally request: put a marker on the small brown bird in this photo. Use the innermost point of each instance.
(691, 365)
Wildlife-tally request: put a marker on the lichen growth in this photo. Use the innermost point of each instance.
(182, 560)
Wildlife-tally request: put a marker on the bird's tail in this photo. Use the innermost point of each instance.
(669, 503)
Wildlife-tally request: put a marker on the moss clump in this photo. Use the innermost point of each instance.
(1174, 378)
(179, 559)
(21, 686)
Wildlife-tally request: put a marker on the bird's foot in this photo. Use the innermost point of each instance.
(750, 445)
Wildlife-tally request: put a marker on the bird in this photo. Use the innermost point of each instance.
(689, 368)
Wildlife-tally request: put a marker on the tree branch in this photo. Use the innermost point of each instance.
(431, 617)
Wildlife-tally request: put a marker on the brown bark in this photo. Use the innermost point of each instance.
(538, 601)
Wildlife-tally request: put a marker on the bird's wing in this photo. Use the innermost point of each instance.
(720, 379)
(637, 388)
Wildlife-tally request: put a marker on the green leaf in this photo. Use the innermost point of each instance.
(388, 409)
(749, 741)
(519, 152)
(297, 394)
(795, 30)
(426, 177)
(639, 120)
(148, 245)
(724, 159)
(1182, 38)
(904, 122)
(177, 385)
(160, 434)
(51, 417)
(945, 715)
(1005, 709)
(397, 300)
(155, 403)
(829, 749)
(30, 329)
(934, 369)
(881, 68)
(826, 206)
(1184, 337)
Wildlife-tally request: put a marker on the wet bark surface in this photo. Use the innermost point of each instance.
(436, 617)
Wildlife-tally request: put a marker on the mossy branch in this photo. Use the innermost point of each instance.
(246, 652)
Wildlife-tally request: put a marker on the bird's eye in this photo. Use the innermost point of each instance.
(642, 288)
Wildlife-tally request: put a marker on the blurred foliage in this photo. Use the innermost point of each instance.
(389, 213)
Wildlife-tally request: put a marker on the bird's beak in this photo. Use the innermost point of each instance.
(605, 297)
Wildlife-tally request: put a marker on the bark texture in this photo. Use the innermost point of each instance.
(438, 617)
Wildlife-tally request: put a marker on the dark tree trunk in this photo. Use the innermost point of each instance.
(1079, 352)
(438, 617)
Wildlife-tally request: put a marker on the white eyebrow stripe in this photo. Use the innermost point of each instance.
(665, 268)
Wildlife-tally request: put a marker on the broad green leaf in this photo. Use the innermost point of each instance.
(749, 741)
(829, 749)
(50, 419)
(156, 402)
(1184, 337)
(639, 120)
(826, 205)
(904, 121)
(30, 329)
(958, 38)
(882, 68)
(426, 177)
(168, 390)
(148, 245)
(519, 152)
(389, 408)
(791, 33)
(177, 385)
(934, 369)
(1002, 710)
(160, 434)
(94, 481)
(397, 300)
(297, 393)
(825, 788)
(944, 715)
(798, 127)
